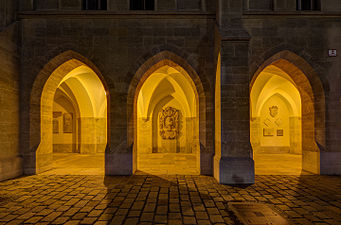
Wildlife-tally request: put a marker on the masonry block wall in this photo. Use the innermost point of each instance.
(10, 160)
(8, 11)
(118, 47)
(248, 38)
(119, 5)
(118, 42)
(309, 37)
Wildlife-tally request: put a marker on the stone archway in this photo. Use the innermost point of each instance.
(55, 73)
(159, 61)
(310, 88)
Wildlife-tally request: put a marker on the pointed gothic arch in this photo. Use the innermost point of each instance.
(312, 94)
(164, 58)
(39, 157)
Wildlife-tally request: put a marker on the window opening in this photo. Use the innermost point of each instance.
(142, 5)
(94, 5)
(308, 5)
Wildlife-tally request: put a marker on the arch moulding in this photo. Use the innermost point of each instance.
(313, 104)
(38, 157)
(164, 58)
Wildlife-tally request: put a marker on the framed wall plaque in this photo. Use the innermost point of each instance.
(280, 132)
(67, 123)
(55, 126)
(268, 132)
(57, 114)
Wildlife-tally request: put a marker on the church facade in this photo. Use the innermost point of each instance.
(214, 86)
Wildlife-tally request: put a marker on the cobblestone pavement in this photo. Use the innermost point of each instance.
(147, 199)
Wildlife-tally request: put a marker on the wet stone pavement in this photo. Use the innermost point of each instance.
(148, 199)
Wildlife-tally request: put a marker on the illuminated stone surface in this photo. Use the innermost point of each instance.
(276, 123)
(278, 164)
(167, 132)
(220, 48)
(77, 164)
(251, 213)
(148, 199)
(171, 163)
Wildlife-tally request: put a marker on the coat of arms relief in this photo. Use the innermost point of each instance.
(273, 123)
(169, 123)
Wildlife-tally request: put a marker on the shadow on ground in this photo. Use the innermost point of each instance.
(173, 199)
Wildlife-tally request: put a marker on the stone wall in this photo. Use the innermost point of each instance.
(92, 135)
(117, 5)
(119, 47)
(250, 40)
(309, 38)
(8, 10)
(10, 159)
(120, 44)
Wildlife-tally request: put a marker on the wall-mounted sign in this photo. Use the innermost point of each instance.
(57, 114)
(280, 132)
(169, 123)
(332, 53)
(268, 132)
(67, 123)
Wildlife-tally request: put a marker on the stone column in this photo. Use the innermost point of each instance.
(233, 163)
(119, 154)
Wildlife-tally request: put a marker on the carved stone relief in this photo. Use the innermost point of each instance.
(273, 110)
(67, 123)
(169, 123)
(273, 123)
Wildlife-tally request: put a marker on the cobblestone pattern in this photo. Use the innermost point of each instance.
(147, 199)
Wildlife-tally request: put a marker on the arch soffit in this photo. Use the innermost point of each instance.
(56, 68)
(299, 70)
(166, 84)
(164, 58)
(274, 84)
(59, 66)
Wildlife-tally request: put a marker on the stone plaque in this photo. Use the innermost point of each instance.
(55, 126)
(257, 213)
(280, 132)
(67, 123)
(268, 132)
(332, 53)
(169, 123)
(57, 114)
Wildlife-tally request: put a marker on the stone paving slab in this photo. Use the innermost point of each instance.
(148, 199)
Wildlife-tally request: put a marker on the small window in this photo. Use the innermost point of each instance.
(141, 4)
(308, 5)
(94, 5)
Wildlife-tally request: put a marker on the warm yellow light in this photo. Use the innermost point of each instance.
(81, 95)
(217, 140)
(275, 123)
(167, 123)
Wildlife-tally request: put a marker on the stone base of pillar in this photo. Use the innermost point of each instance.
(235, 170)
(10, 167)
(120, 164)
(35, 163)
(330, 163)
(206, 163)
